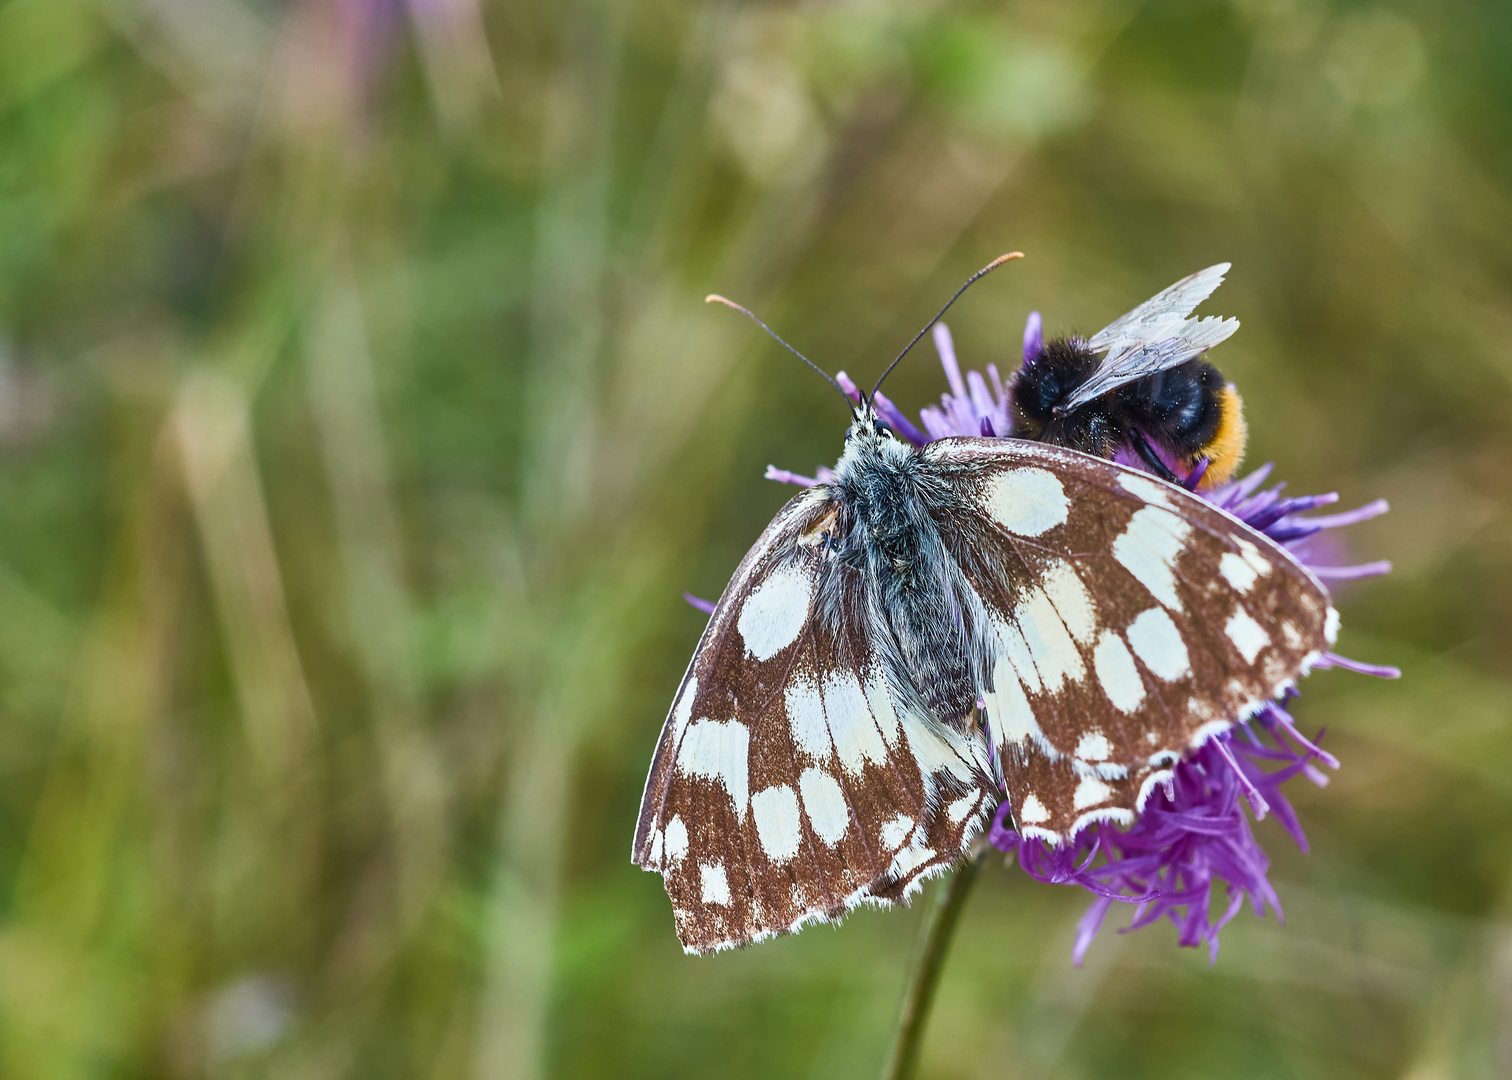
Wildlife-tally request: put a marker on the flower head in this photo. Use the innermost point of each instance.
(1194, 836)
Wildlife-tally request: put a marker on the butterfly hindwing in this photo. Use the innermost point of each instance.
(789, 784)
(1131, 620)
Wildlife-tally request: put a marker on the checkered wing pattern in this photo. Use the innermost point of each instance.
(790, 784)
(1130, 621)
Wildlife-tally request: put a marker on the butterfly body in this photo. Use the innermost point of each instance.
(1177, 417)
(892, 504)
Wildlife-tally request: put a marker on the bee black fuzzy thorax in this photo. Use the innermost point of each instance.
(1188, 412)
(1039, 389)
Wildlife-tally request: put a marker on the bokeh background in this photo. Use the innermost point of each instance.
(361, 423)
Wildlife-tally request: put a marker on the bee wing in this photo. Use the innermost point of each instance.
(1157, 335)
(1179, 300)
(790, 783)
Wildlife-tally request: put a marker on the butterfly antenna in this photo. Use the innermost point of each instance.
(972, 280)
(715, 298)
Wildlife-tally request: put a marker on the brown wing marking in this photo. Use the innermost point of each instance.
(785, 774)
(1134, 621)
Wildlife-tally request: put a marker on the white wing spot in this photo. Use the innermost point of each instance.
(1116, 674)
(1158, 643)
(1094, 746)
(879, 697)
(1148, 549)
(1055, 654)
(716, 750)
(896, 831)
(1143, 487)
(958, 810)
(1017, 652)
(855, 733)
(910, 859)
(1033, 812)
(1026, 501)
(1248, 636)
(939, 748)
(1258, 562)
(1237, 572)
(825, 803)
(1090, 792)
(1064, 587)
(677, 839)
(775, 811)
(1008, 708)
(1202, 709)
(715, 886)
(775, 612)
(805, 713)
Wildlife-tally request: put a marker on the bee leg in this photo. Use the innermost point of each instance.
(1152, 459)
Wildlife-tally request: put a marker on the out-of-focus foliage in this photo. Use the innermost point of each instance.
(360, 424)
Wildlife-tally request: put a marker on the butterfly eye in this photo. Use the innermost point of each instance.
(886, 431)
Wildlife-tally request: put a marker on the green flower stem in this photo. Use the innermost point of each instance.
(903, 1060)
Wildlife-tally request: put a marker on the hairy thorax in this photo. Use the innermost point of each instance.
(887, 493)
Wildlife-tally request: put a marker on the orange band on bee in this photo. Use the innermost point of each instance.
(1225, 449)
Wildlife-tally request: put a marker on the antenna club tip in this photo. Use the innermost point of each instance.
(1001, 259)
(715, 298)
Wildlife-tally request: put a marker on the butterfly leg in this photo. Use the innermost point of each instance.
(1151, 458)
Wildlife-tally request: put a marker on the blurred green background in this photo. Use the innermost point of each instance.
(361, 422)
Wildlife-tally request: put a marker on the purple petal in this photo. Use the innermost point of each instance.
(852, 391)
(900, 423)
(1086, 930)
(705, 606)
(1352, 573)
(945, 346)
(1380, 671)
(1034, 338)
(782, 476)
(1352, 517)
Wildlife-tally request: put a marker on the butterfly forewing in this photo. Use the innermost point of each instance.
(1131, 620)
(789, 784)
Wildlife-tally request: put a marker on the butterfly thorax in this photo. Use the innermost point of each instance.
(889, 502)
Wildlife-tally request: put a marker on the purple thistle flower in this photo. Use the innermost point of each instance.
(971, 407)
(1194, 831)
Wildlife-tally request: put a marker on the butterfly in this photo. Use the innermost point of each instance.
(941, 628)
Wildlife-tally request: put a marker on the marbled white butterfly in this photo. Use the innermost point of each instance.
(944, 627)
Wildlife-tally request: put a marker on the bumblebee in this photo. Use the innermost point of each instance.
(1137, 390)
